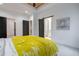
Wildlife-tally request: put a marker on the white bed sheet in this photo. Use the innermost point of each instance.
(2, 45)
(9, 48)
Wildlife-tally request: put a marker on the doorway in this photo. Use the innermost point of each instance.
(3, 27)
(25, 27)
(45, 27)
(48, 27)
(41, 27)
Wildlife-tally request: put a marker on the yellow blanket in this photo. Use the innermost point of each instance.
(34, 46)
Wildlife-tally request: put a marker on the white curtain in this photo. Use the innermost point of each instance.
(10, 27)
(47, 27)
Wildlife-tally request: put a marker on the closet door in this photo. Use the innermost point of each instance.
(41, 27)
(25, 27)
(10, 27)
(3, 30)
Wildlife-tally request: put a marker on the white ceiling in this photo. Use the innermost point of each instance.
(20, 8)
(17, 8)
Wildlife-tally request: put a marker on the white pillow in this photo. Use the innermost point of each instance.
(2, 46)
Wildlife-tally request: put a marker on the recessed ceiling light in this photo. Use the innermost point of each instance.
(26, 11)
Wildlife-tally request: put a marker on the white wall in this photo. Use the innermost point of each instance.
(17, 19)
(19, 25)
(67, 37)
(35, 24)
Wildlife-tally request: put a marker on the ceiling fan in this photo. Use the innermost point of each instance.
(36, 5)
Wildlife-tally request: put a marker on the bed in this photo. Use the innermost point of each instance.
(8, 48)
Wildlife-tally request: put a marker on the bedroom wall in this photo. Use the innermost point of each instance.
(35, 27)
(66, 37)
(19, 25)
(17, 18)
